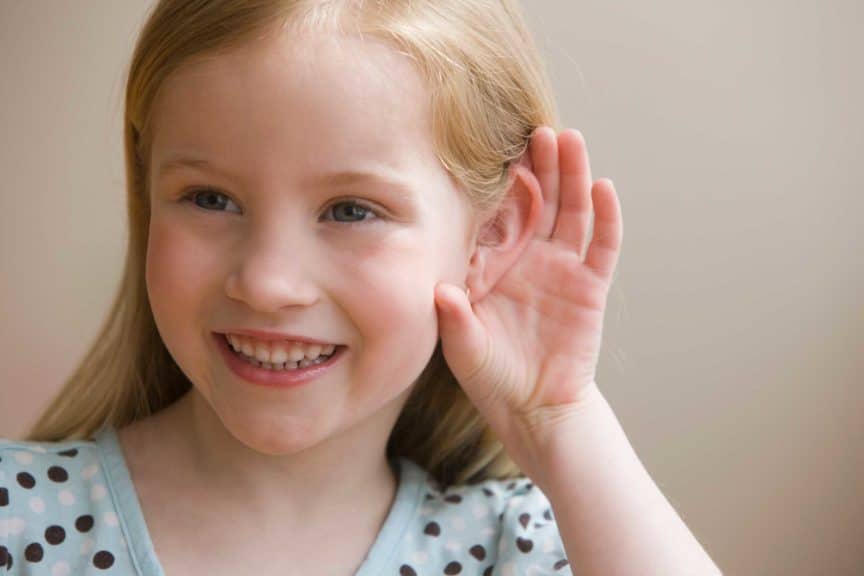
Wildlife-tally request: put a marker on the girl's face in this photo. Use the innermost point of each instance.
(275, 242)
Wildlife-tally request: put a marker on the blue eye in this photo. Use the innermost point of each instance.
(355, 211)
(210, 199)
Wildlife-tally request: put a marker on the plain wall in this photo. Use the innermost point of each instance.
(734, 342)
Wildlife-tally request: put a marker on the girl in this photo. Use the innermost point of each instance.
(291, 379)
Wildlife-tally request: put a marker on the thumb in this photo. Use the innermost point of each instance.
(463, 336)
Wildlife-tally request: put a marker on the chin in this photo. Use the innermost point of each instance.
(282, 438)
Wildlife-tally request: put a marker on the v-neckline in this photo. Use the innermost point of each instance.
(411, 480)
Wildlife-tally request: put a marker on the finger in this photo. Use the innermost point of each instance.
(574, 207)
(544, 157)
(602, 256)
(467, 349)
(462, 334)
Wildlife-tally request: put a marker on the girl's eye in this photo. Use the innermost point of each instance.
(349, 211)
(209, 199)
(352, 210)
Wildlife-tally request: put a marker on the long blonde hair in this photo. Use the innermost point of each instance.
(488, 92)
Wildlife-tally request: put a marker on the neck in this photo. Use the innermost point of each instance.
(316, 485)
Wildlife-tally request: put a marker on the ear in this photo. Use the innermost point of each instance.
(504, 235)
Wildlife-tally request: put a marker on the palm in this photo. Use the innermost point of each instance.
(544, 320)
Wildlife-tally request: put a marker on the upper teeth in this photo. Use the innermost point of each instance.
(277, 352)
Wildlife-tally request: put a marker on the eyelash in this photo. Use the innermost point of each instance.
(193, 193)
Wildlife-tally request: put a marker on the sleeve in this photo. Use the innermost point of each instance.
(15, 517)
(530, 543)
(40, 532)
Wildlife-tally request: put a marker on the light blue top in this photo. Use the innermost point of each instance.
(71, 508)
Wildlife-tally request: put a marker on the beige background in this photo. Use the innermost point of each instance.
(733, 346)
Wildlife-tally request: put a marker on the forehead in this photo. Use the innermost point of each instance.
(305, 104)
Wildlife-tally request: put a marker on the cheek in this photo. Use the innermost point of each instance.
(390, 296)
(176, 272)
(162, 268)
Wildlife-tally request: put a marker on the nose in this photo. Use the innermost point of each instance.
(272, 273)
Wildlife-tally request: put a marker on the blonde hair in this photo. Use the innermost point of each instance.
(488, 92)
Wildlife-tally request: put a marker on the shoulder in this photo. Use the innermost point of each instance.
(491, 527)
(490, 498)
(37, 467)
(55, 502)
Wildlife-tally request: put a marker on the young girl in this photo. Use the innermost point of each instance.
(359, 321)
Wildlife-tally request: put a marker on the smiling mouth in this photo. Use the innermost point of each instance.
(286, 365)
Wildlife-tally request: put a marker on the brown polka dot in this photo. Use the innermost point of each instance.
(488, 492)
(432, 529)
(511, 486)
(561, 563)
(547, 514)
(488, 571)
(4, 557)
(25, 480)
(69, 453)
(4, 497)
(34, 552)
(453, 568)
(524, 519)
(478, 552)
(430, 496)
(58, 474)
(529, 486)
(524, 544)
(453, 498)
(103, 560)
(84, 523)
(406, 570)
(55, 534)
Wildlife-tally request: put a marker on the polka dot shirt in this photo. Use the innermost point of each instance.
(71, 508)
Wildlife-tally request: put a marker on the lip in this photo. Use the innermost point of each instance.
(270, 378)
(271, 336)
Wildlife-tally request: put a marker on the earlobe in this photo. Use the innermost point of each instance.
(507, 232)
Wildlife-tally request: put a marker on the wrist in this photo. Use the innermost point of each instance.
(586, 447)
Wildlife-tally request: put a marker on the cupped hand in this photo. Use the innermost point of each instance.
(526, 353)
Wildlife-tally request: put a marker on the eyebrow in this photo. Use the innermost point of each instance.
(342, 178)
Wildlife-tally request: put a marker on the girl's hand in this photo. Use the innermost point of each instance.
(526, 354)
